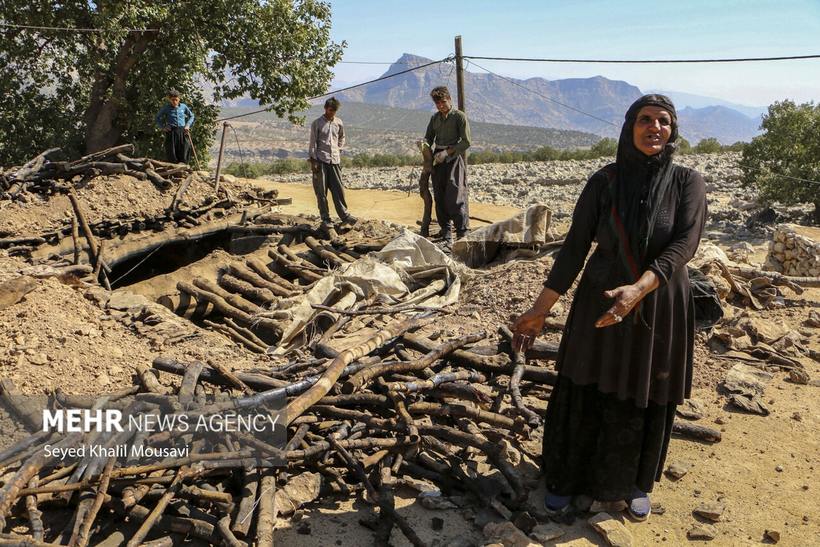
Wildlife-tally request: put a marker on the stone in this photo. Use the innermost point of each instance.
(772, 535)
(607, 506)
(524, 522)
(436, 503)
(746, 380)
(702, 531)
(38, 359)
(507, 535)
(545, 533)
(124, 300)
(230, 179)
(799, 376)
(710, 510)
(692, 409)
(615, 533)
(677, 470)
(299, 490)
(753, 405)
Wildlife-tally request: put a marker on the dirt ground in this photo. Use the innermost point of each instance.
(765, 469)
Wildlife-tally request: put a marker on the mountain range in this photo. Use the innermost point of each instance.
(593, 105)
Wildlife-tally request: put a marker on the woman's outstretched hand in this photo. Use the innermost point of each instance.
(627, 297)
(528, 325)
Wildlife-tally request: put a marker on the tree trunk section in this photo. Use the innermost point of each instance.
(108, 95)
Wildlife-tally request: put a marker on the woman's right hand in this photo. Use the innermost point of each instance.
(526, 328)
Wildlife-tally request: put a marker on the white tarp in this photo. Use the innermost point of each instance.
(529, 227)
(384, 277)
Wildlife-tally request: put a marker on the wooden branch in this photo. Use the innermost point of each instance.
(383, 504)
(452, 409)
(234, 300)
(231, 377)
(236, 336)
(35, 520)
(328, 257)
(298, 406)
(432, 355)
(102, 489)
(227, 308)
(189, 381)
(256, 381)
(247, 503)
(263, 271)
(224, 529)
(159, 508)
(266, 518)
(248, 275)
(235, 285)
(696, 432)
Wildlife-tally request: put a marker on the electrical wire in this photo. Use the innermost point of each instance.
(647, 61)
(75, 29)
(267, 109)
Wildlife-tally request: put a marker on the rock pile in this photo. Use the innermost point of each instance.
(793, 251)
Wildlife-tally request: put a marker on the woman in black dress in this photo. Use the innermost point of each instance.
(625, 360)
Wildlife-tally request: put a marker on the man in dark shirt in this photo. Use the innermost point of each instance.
(176, 119)
(448, 135)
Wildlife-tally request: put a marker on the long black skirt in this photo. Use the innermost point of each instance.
(600, 446)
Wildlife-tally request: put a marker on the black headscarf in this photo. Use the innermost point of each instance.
(640, 185)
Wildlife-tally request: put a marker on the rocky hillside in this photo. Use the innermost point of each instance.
(381, 129)
(549, 103)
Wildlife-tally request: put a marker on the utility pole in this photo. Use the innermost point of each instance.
(459, 75)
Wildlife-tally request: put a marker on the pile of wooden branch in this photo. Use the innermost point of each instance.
(42, 176)
(397, 409)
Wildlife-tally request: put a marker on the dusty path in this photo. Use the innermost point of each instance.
(391, 206)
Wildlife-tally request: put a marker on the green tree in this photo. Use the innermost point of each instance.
(604, 148)
(683, 146)
(708, 146)
(782, 161)
(85, 91)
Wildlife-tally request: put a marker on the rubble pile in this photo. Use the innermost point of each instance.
(793, 252)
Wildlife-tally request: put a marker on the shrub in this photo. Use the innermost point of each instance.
(782, 162)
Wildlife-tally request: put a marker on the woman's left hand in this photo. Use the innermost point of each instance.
(626, 297)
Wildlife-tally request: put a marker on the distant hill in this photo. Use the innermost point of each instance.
(683, 100)
(375, 128)
(498, 100)
(725, 124)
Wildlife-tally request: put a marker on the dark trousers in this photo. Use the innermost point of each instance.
(177, 146)
(450, 193)
(424, 190)
(328, 176)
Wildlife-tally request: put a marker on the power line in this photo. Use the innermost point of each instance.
(75, 29)
(542, 95)
(647, 61)
(794, 178)
(373, 63)
(266, 109)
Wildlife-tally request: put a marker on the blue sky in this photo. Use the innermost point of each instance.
(383, 30)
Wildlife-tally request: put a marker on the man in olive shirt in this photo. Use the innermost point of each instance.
(448, 135)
